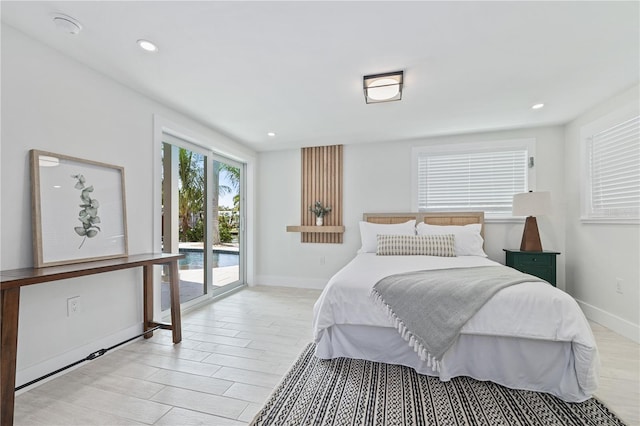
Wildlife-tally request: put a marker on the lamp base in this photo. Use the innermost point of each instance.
(530, 236)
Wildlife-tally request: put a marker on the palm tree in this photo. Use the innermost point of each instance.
(191, 188)
(234, 178)
(234, 175)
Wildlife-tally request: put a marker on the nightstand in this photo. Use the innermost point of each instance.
(542, 264)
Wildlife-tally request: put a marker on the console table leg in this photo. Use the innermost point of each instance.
(174, 290)
(148, 299)
(9, 307)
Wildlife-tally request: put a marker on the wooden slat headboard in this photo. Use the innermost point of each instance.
(439, 218)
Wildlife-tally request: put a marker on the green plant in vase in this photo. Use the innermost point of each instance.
(320, 211)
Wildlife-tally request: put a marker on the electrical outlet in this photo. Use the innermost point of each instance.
(73, 306)
(619, 285)
(322, 260)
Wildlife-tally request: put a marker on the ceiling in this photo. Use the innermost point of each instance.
(296, 68)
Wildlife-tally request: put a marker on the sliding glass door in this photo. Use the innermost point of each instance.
(227, 177)
(201, 210)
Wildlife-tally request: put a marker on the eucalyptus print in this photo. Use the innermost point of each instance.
(89, 213)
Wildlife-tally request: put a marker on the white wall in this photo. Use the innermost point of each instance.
(377, 178)
(598, 254)
(53, 103)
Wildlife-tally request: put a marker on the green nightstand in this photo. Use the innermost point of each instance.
(542, 264)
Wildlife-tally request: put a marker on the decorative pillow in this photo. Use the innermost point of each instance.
(369, 231)
(416, 245)
(468, 239)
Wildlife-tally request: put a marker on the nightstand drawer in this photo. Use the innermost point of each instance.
(534, 259)
(540, 264)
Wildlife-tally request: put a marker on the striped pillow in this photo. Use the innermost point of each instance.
(413, 245)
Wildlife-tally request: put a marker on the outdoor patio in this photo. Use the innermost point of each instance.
(191, 280)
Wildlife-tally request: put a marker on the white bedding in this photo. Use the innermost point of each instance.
(529, 311)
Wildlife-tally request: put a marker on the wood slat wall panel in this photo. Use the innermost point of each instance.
(322, 181)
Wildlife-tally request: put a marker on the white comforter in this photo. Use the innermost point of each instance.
(531, 310)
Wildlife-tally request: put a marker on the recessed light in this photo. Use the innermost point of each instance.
(147, 45)
(271, 134)
(537, 106)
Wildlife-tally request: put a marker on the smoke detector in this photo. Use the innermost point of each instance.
(67, 23)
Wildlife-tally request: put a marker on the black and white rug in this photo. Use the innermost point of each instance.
(356, 392)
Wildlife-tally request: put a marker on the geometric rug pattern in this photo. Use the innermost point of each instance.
(346, 392)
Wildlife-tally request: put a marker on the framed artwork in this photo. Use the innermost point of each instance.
(79, 212)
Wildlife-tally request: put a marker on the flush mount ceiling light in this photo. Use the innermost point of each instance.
(271, 134)
(537, 106)
(67, 23)
(383, 87)
(147, 45)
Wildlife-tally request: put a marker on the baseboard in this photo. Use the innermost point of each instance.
(612, 322)
(38, 370)
(298, 282)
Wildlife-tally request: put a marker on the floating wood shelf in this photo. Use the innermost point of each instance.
(316, 229)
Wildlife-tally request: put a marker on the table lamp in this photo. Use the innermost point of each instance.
(531, 204)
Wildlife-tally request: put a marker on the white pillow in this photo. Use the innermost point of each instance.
(468, 239)
(369, 233)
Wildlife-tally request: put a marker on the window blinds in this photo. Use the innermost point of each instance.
(614, 165)
(478, 181)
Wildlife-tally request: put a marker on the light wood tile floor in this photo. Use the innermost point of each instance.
(619, 386)
(234, 352)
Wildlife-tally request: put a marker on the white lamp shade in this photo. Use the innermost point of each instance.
(532, 203)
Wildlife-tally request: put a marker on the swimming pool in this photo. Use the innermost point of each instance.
(194, 259)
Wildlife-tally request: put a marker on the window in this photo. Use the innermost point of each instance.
(472, 177)
(613, 157)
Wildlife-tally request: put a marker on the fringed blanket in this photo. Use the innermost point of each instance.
(429, 308)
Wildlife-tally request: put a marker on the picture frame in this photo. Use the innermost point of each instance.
(78, 210)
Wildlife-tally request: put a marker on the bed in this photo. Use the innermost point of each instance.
(529, 336)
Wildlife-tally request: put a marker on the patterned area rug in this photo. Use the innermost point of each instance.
(356, 392)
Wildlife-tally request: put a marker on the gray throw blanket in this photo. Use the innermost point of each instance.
(429, 308)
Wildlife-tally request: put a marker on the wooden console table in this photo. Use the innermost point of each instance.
(13, 280)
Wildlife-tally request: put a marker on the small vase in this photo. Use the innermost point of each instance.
(319, 220)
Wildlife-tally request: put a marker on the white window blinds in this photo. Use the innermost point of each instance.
(472, 181)
(614, 171)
